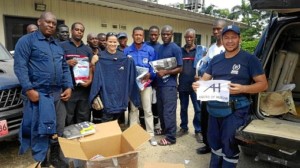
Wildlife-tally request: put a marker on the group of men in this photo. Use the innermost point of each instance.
(44, 67)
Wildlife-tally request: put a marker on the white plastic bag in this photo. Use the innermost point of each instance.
(81, 70)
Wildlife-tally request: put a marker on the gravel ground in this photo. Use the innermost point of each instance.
(183, 152)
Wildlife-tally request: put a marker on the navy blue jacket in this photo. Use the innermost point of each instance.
(115, 81)
(39, 64)
(39, 122)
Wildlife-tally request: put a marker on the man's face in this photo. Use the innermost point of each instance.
(77, 32)
(47, 25)
(166, 36)
(154, 35)
(231, 41)
(102, 41)
(217, 31)
(123, 41)
(63, 33)
(138, 36)
(189, 39)
(93, 41)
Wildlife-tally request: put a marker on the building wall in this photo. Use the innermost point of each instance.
(93, 16)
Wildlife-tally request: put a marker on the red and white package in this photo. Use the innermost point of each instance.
(81, 70)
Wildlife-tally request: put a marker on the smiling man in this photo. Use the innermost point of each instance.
(246, 75)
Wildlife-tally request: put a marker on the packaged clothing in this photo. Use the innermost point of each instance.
(81, 70)
(115, 81)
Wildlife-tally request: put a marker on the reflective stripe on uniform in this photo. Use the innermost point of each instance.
(233, 159)
(217, 152)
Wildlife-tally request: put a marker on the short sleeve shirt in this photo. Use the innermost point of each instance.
(167, 51)
(239, 69)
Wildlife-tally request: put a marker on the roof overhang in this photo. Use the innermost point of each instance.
(158, 10)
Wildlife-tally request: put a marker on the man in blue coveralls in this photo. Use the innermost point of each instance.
(42, 70)
(167, 86)
(246, 75)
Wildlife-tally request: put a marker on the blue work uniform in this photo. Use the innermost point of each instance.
(40, 65)
(239, 69)
(186, 78)
(77, 108)
(142, 57)
(167, 92)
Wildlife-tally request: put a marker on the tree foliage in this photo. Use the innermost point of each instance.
(254, 19)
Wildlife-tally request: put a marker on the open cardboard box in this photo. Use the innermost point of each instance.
(108, 141)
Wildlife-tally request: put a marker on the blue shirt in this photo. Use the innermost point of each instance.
(239, 69)
(154, 45)
(187, 75)
(39, 64)
(167, 51)
(71, 51)
(142, 56)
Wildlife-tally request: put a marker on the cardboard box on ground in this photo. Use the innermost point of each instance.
(109, 146)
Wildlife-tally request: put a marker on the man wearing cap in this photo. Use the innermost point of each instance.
(246, 75)
(122, 39)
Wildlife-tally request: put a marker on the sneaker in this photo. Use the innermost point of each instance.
(182, 132)
(153, 141)
(198, 137)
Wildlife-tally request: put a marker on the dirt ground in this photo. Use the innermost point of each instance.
(183, 152)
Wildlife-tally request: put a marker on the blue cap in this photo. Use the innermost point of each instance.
(122, 34)
(233, 28)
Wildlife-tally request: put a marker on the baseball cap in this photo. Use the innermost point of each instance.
(233, 28)
(122, 34)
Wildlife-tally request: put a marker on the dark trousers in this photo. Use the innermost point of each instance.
(97, 116)
(111, 116)
(184, 103)
(78, 109)
(204, 122)
(167, 103)
(221, 137)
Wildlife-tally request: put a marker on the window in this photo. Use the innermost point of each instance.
(146, 35)
(177, 38)
(198, 39)
(104, 25)
(123, 27)
(15, 27)
(114, 26)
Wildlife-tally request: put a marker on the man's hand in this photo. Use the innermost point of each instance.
(33, 95)
(195, 86)
(236, 88)
(95, 59)
(65, 96)
(72, 62)
(161, 73)
(146, 77)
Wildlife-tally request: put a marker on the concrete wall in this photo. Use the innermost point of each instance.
(93, 16)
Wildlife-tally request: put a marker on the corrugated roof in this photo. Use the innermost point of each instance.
(158, 10)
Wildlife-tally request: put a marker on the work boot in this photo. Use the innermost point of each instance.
(55, 159)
